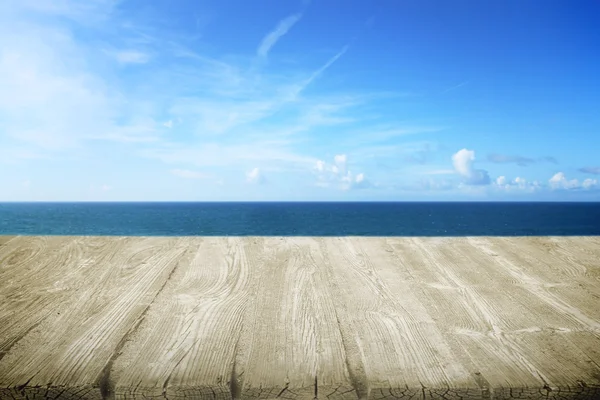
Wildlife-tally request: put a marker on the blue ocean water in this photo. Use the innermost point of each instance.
(301, 219)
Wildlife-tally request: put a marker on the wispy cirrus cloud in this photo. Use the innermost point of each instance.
(130, 56)
(451, 88)
(280, 30)
(86, 12)
(519, 160)
(549, 159)
(56, 93)
(251, 97)
(590, 170)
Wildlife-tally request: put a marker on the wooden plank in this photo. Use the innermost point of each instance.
(68, 353)
(32, 282)
(185, 345)
(393, 346)
(291, 347)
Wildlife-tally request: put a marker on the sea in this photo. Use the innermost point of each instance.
(301, 219)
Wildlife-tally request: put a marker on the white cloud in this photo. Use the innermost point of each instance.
(255, 176)
(188, 174)
(462, 161)
(360, 182)
(272, 37)
(463, 164)
(520, 181)
(340, 166)
(560, 182)
(321, 70)
(338, 176)
(168, 124)
(48, 100)
(589, 183)
(54, 94)
(320, 166)
(130, 57)
(235, 98)
(83, 12)
(518, 184)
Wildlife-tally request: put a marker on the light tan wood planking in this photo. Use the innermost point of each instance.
(69, 349)
(267, 317)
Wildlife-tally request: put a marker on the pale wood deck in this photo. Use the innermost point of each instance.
(299, 318)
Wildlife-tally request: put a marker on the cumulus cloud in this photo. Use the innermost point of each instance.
(560, 182)
(337, 174)
(521, 182)
(590, 170)
(518, 184)
(340, 162)
(589, 183)
(255, 176)
(463, 164)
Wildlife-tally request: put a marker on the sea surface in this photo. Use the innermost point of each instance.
(301, 219)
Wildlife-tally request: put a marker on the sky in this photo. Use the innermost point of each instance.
(297, 100)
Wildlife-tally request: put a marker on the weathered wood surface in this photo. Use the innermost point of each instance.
(299, 318)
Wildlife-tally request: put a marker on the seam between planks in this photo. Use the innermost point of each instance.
(104, 381)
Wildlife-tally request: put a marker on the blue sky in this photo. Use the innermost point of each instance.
(299, 100)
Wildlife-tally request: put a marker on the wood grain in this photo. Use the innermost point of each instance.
(185, 347)
(299, 318)
(291, 347)
(394, 347)
(69, 350)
